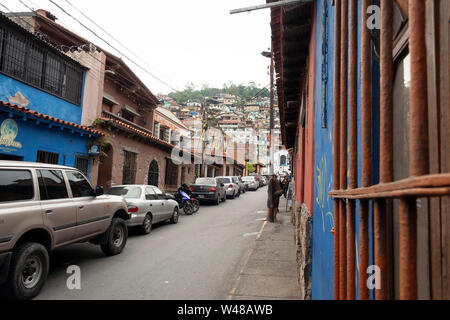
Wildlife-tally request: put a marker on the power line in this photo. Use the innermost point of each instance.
(94, 33)
(115, 39)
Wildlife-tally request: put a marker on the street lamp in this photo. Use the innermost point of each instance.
(269, 54)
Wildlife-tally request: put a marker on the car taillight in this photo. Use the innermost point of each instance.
(133, 209)
(230, 186)
(212, 189)
(192, 188)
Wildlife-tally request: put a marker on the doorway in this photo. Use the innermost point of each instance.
(153, 174)
(105, 168)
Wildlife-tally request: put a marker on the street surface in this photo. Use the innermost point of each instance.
(198, 258)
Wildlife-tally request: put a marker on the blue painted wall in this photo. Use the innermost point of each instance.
(323, 241)
(323, 216)
(33, 136)
(39, 100)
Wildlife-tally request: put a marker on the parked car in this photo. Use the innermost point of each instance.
(258, 178)
(44, 207)
(209, 190)
(264, 180)
(147, 205)
(231, 187)
(237, 180)
(252, 183)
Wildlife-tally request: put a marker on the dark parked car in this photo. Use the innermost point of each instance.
(209, 190)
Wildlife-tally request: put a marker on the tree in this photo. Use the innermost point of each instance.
(251, 168)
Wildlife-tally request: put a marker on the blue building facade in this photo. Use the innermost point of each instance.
(41, 94)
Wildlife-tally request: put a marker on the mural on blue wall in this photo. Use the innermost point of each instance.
(324, 184)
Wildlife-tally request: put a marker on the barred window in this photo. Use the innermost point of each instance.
(47, 157)
(82, 164)
(35, 63)
(52, 75)
(25, 59)
(14, 55)
(129, 167)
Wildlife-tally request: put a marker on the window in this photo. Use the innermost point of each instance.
(35, 63)
(27, 60)
(14, 55)
(127, 115)
(16, 185)
(52, 75)
(171, 173)
(159, 193)
(47, 157)
(79, 185)
(52, 185)
(82, 164)
(129, 167)
(126, 192)
(150, 194)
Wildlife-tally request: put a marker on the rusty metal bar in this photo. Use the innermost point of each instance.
(419, 150)
(419, 154)
(336, 142)
(343, 151)
(427, 181)
(386, 92)
(353, 149)
(408, 249)
(386, 141)
(366, 149)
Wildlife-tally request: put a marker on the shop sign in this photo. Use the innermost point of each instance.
(8, 133)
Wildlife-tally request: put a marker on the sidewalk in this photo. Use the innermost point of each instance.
(270, 271)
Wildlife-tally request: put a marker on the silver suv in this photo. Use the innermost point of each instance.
(43, 207)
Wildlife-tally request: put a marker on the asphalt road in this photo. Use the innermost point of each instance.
(198, 258)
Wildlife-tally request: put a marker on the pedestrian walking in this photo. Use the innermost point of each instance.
(274, 193)
(285, 186)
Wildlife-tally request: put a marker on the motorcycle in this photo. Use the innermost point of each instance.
(186, 202)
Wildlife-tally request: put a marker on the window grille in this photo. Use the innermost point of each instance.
(129, 167)
(26, 60)
(82, 164)
(47, 157)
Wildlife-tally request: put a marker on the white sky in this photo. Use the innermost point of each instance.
(180, 40)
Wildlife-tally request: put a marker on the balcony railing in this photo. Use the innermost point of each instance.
(112, 116)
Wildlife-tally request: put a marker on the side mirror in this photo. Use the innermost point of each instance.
(170, 197)
(99, 191)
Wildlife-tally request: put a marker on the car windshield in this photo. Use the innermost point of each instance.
(126, 192)
(206, 181)
(224, 180)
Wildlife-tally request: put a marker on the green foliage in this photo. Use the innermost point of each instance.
(245, 92)
(251, 168)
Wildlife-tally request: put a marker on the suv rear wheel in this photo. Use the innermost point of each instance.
(116, 237)
(28, 271)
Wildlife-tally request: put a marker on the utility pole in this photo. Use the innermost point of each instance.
(271, 111)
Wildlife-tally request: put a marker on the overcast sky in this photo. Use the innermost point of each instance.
(180, 41)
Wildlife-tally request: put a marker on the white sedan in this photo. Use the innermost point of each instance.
(147, 205)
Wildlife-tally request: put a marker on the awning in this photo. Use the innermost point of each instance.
(130, 110)
(109, 98)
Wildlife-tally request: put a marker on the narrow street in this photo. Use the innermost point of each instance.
(198, 258)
